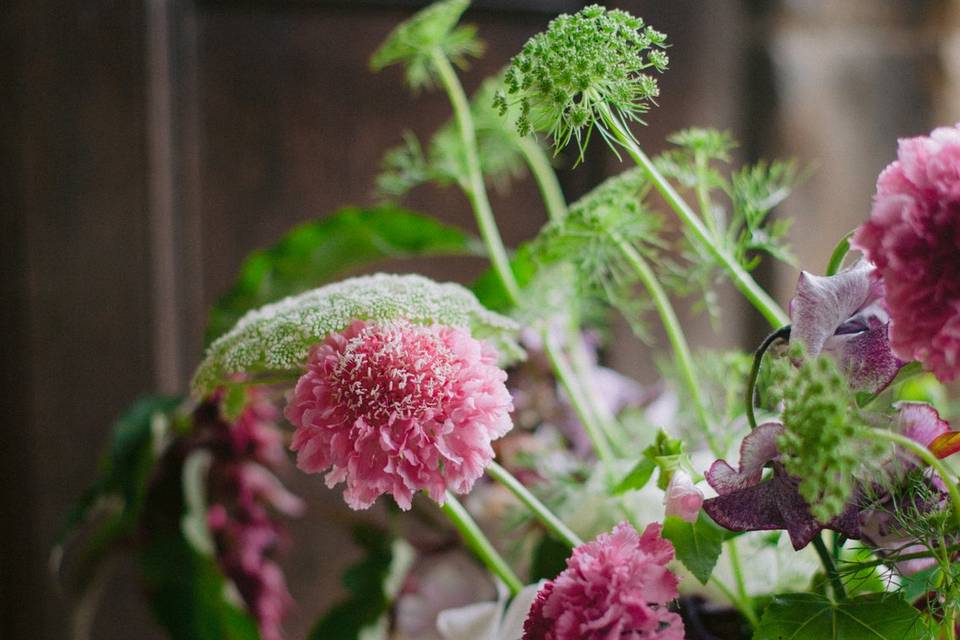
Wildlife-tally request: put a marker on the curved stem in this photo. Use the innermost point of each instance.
(781, 333)
(839, 253)
(581, 367)
(737, 567)
(545, 177)
(674, 333)
(568, 380)
(741, 606)
(741, 279)
(830, 567)
(546, 517)
(927, 456)
(475, 190)
(480, 544)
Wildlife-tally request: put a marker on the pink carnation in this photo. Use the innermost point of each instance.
(395, 407)
(617, 586)
(913, 237)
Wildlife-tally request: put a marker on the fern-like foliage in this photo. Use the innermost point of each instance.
(736, 206)
(278, 337)
(444, 162)
(430, 31)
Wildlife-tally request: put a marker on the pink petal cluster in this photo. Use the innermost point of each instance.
(913, 237)
(245, 499)
(683, 499)
(617, 586)
(396, 408)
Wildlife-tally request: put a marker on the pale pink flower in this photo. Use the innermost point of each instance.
(683, 499)
(617, 586)
(913, 237)
(394, 407)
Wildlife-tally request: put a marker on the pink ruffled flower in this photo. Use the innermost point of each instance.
(683, 499)
(617, 586)
(395, 408)
(913, 237)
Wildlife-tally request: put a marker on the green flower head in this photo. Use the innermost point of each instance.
(582, 70)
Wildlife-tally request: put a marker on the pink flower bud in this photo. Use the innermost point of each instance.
(683, 499)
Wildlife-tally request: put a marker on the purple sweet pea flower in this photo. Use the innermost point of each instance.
(845, 315)
(748, 503)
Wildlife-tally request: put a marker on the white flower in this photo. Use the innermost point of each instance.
(489, 620)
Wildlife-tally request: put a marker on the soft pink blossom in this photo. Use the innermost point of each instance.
(683, 499)
(396, 408)
(617, 586)
(913, 237)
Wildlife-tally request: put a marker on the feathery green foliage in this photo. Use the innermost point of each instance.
(826, 441)
(498, 144)
(431, 30)
(566, 77)
(588, 237)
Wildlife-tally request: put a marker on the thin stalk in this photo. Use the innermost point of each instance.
(579, 361)
(546, 178)
(703, 197)
(546, 517)
(781, 333)
(568, 381)
(674, 333)
(927, 456)
(480, 544)
(737, 567)
(475, 189)
(741, 279)
(830, 567)
(739, 604)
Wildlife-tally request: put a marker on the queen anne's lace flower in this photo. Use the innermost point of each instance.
(394, 407)
(614, 587)
(913, 237)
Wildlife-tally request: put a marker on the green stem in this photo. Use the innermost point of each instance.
(580, 363)
(830, 567)
(545, 177)
(703, 197)
(839, 253)
(546, 517)
(480, 544)
(674, 333)
(475, 189)
(741, 279)
(568, 381)
(737, 567)
(740, 605)
(927, 456)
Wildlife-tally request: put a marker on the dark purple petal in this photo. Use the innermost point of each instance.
(777, 504)
(823, 303)
(757, 449)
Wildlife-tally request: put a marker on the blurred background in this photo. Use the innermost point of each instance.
(149, 145)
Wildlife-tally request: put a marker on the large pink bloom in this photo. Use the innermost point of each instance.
(395, 407)
(913, 237)
(614, 587)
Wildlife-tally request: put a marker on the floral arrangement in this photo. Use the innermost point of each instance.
(803, 491)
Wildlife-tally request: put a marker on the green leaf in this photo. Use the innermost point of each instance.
(373, 582)
(810, 616)
(136, 442)
(697, 545)
(276, 338)
(638, 477)
(319, 251)
(189, 594)
(488, 288)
